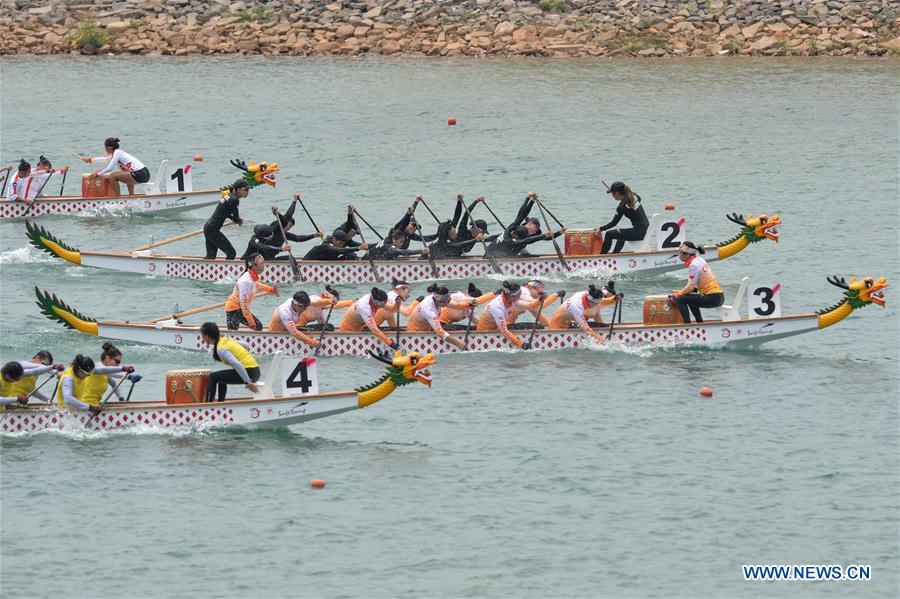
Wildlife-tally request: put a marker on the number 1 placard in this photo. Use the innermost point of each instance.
(764, 300)
(299, 376)
(178, 180)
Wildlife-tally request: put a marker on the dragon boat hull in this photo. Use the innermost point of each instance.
(712, 334)
(125, 204)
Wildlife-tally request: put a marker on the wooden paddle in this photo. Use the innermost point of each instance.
(612, 320)
(38, 388)
(468, 327)
(537, 321)
(499, 224)
(295, 270)
(430, 211)
(363, 219)
(203, 309)
(63, 184)
(369, 256)
(106, 399)
(308, 215)
(558, 222)
(434, 269)
(6, 170)
(494, 264)
(337, 296)
(398, 320)
(559, 253)
(156, 244)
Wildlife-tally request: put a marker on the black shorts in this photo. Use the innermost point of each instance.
(142, 175)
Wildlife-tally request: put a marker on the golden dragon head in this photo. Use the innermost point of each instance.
(405, 369)
(861, 292)
(758, 228)
(257, 173)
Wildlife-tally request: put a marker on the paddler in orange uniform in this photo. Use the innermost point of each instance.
(495, 317)
(532, 290)
(584, 305)
(426, 315)
(237, 307)
(361, 315)
(451, 315)
(286, 316)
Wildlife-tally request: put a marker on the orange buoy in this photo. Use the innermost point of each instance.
(317, 483)
(451, 121)
(670, 206)
(705, 391)
(198, 158)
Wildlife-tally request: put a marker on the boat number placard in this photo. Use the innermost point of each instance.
(299, 376)
(670, 234)
(178, 180)
(764, 300)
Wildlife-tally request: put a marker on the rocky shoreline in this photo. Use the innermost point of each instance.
(587, 28)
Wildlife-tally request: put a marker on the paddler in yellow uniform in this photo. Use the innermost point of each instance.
(96, 384)
(25, 384)
(244, 367)
(702, 289)
(78, 390)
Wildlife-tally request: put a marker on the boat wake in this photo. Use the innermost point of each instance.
(26, 255)
(72, 427)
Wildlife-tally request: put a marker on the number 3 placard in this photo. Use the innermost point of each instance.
(670, 234)
(299, 376)
(764, 300)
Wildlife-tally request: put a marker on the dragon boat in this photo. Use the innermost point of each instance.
(729, 329)
(264, 410)
(171, 191)
(146, 262)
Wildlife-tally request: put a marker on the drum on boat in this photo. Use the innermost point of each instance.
(187, 386)
(657, 310)
(583, 242)
(97, 187)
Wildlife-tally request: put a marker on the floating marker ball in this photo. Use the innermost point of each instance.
(198, 158)
(451, 121)
(706, 392)
(670, 206)
(317, 483)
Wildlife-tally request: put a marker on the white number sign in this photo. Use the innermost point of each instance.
(670, 234)
(299, 376)
(178, 179)
(764, 300)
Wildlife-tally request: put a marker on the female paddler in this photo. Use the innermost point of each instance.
(584, 305)
(630, 207)
(81, 385)
(427, 314)
(451, 315)
(702, 289)
(361, 315)
(18, 379)
(244, 367)
(287, 315)
(237, 306)
(130, 169)
(496, 316)
(226, 208)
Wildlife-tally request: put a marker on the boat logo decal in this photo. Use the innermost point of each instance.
(178, 339)
(295, 410)
(726, 333)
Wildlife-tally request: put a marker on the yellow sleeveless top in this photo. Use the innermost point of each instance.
(243, 356)
(77, 390)
(93, 387)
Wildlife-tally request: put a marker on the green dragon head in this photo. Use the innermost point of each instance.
(257, 173)
(759, 228)
(403, 370)
(861, 292)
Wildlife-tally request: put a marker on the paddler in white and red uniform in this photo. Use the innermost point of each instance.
(119, 166)
(41, 175)
(399, 293)
(287, 315)
(21, 183)
(317, 311)
(530, 292)
(495, 317)
(584, 305)
(427, 314)
(237, 306)
(702, 289)
(451, 315)
(361, 316)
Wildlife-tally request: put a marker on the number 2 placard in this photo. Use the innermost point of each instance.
(670, 234)
(764, 300)
(299, 376)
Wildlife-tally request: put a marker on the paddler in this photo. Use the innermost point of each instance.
(130, 169)
(399, 293)
(495, 317)
(285, 318)
(318, 305)
(338, 246)
(468, 235)
(530, 292)
(26, 384)
(263, 243)
(40, 175)
(226, 208)
(407, 228)
(583, 305)
(702, 289)
(77, 390)
(244, 367)
(389, 249)
(361, 315)
(237, 306)
(630, 207)
(451, 315)
(95, 385)
(518, 240)
(20, 184)
(426, 315)
(287, 223)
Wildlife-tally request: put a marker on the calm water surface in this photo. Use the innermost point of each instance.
(582, 473)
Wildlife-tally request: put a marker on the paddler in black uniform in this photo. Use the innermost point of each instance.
(389, 248)
(336, 247)
(263, 243)
(287, 222)
(515, 244)
(630, 207)
(227, 208)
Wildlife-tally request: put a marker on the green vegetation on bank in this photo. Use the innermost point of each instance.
(88, 35)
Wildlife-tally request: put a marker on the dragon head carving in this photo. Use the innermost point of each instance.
(404, 370)
(257, 173)
(757, 228)
(861, 292)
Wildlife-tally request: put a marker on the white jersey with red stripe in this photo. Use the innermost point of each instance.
(20, 187)
(121, 159)
(364, 308)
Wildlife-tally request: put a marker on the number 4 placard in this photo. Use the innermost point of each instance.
(764, 300)
(670, 234)
(299, 376)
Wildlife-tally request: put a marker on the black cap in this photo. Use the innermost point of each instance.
(617, 187)
(240, 184)
(339, 234)
(481, 224)
(263, 231)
